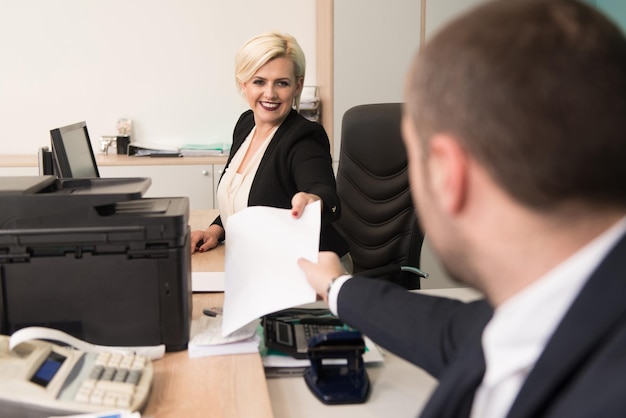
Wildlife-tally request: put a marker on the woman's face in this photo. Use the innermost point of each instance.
(271, 91)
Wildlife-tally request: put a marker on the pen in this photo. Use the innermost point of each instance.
(213, 312)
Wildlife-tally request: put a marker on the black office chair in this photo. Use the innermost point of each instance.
(377, 216)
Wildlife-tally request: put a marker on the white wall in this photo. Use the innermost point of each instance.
(166, 64)
(440, 12)
(374, 43)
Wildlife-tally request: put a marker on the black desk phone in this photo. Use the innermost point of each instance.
(40, 378)
(290, 330)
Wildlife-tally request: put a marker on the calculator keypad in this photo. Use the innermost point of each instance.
(112, 380)
(311, 330)
(304, 333)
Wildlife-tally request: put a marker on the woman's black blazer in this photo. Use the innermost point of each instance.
(297, 160)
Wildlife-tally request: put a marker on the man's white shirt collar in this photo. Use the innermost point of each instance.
(521, 327)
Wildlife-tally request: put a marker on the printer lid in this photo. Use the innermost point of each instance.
(29, 195)
(24, 185)
(100, 190)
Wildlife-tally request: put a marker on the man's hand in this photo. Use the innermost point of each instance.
(321, 274)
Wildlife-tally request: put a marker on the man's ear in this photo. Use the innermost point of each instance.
(448, 165)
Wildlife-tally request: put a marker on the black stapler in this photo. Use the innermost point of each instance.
(343, 381)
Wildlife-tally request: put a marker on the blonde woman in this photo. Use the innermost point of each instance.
(278, 158)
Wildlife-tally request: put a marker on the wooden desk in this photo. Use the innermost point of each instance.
(398, 388)
(235, 386)
(223, 386)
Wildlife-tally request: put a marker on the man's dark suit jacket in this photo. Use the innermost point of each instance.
(581, 372)
(296, 160)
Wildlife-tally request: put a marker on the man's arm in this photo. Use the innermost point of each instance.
(424, 330)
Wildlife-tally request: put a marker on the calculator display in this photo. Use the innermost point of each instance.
(283, 333)
(48, 369)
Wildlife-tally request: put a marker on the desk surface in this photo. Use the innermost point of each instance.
(235, 386)
(398, 388)
(204, 387)
(224, 386)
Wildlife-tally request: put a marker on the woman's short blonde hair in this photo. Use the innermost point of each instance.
(263, 48)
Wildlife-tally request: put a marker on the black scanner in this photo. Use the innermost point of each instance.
(95, 259)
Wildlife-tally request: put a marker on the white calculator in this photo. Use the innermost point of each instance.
(40, 379)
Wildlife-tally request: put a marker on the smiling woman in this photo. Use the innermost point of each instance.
(270, 94)
(278, 157)
(263, 49)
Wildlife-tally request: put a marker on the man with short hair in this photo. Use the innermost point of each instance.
(515, 130)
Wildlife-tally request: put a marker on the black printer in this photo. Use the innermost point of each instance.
(91, 257)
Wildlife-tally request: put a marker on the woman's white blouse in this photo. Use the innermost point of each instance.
(234, 187)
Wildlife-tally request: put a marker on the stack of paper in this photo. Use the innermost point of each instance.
(136, 149)
(201, 150)
(116, 413)
(310, 104)
(206, 338)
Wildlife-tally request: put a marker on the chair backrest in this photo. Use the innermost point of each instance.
(377, 216)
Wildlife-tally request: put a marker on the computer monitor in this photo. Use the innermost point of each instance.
(45, 161)
(72, 152)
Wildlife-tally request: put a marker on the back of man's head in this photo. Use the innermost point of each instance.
(535, 90)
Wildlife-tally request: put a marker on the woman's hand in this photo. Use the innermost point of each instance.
(299, 202)
(205, 240)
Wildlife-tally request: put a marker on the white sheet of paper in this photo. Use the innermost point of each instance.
(207, 281)
(261, 270)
